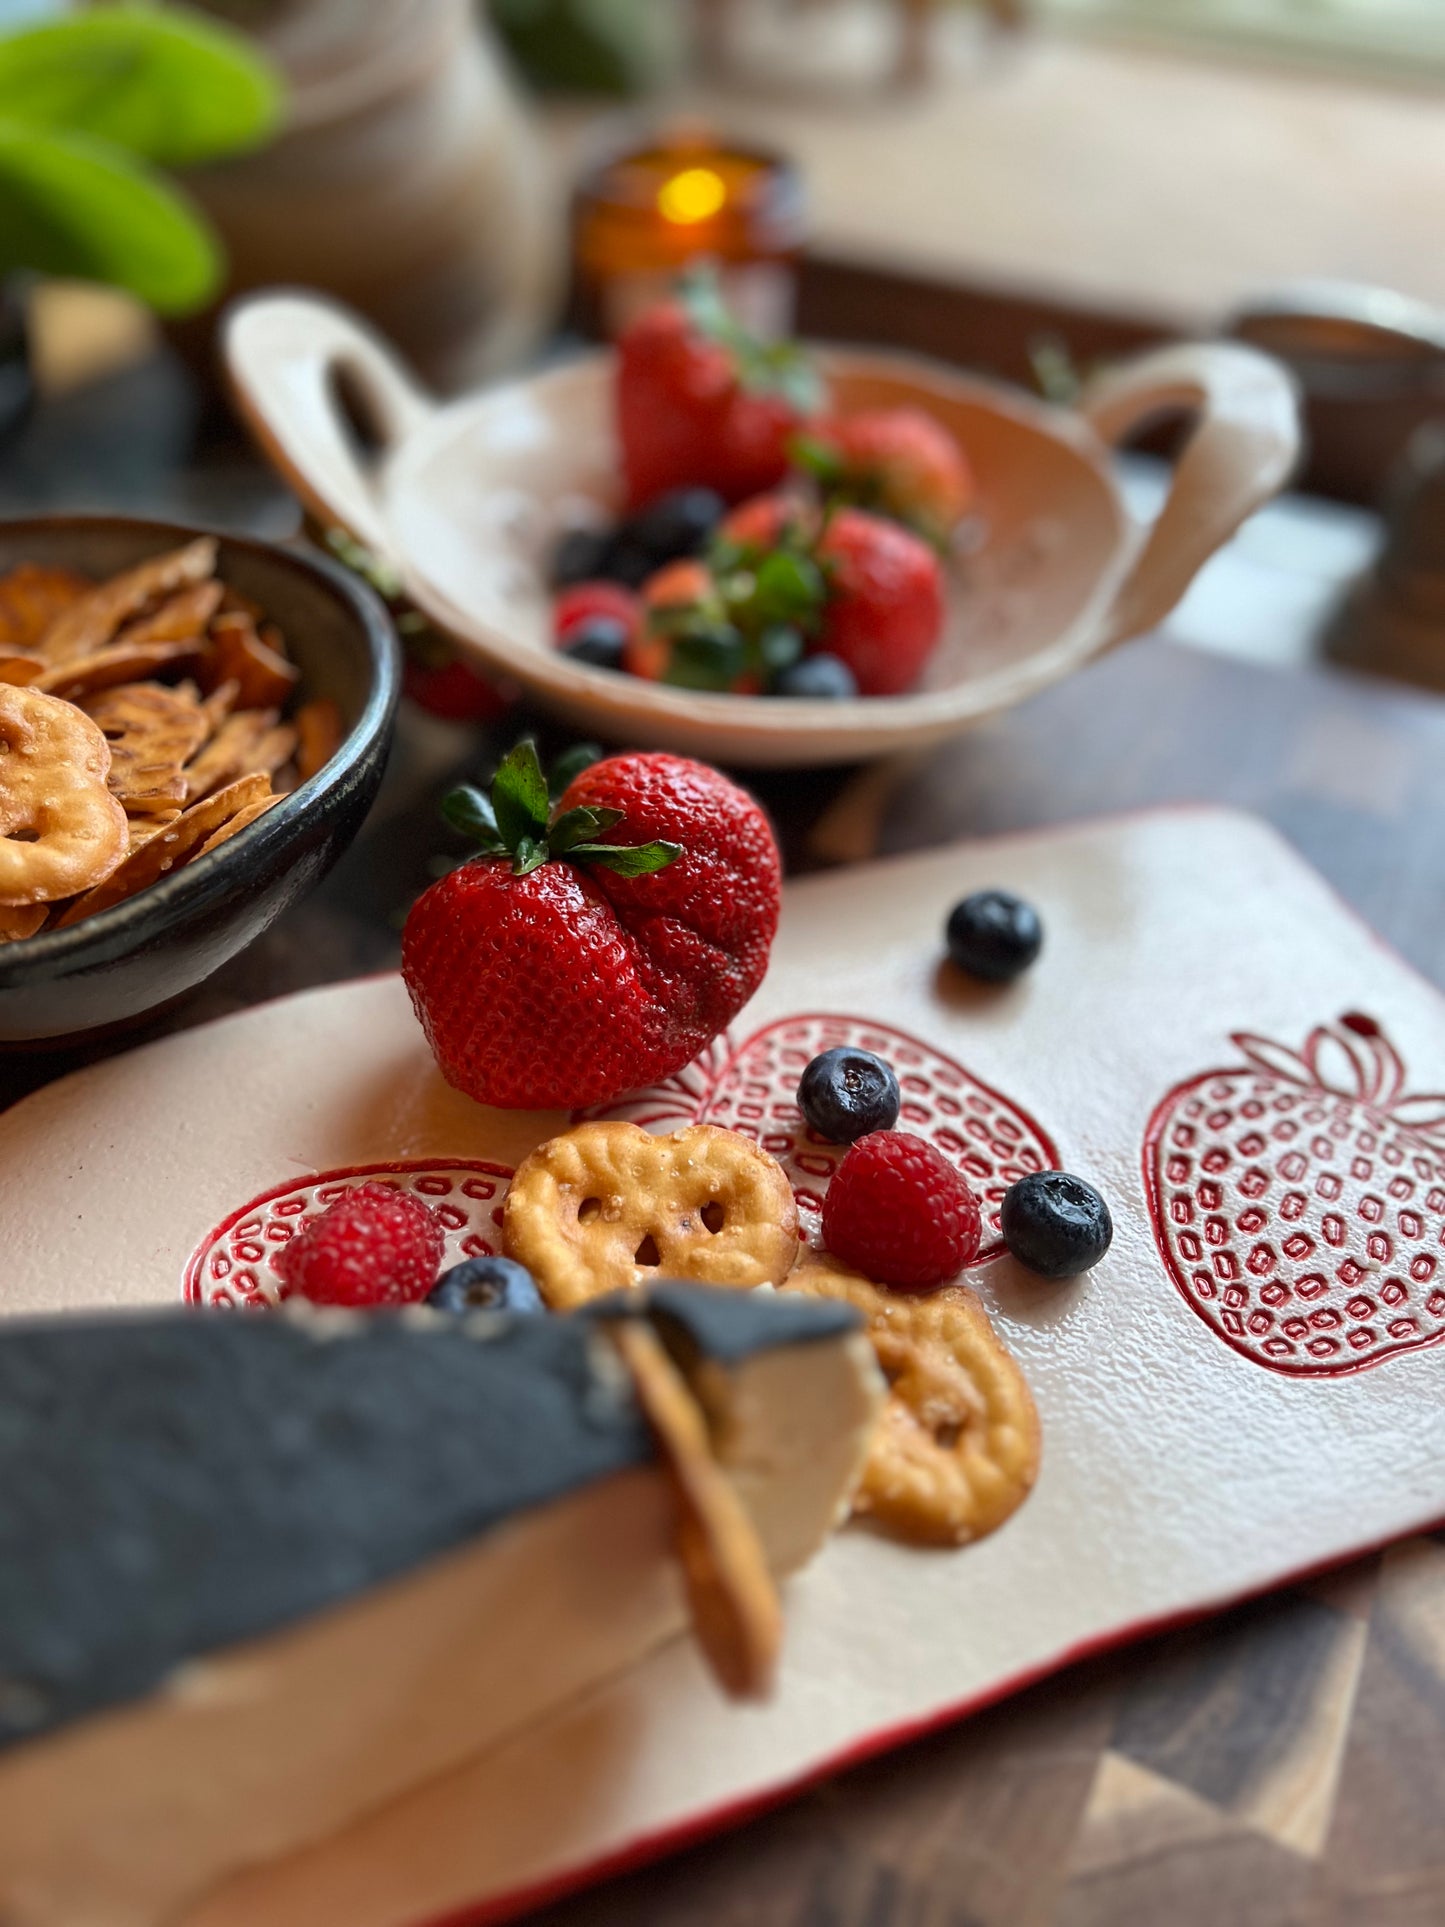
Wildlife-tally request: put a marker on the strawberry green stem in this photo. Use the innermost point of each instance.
(515, 820)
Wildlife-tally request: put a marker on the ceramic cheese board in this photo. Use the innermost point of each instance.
(1244, 1390)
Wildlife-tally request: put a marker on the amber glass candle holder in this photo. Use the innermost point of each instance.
(644, 214)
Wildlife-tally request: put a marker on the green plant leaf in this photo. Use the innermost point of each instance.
(629, 859)
(167, 85)
(469, 811)
(519, 796)
(71, 206)
(371, 567)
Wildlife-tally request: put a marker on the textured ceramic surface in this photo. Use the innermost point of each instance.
(152, 949)
(467, 500)
(1179, 1472)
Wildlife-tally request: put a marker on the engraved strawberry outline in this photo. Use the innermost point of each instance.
(1207, 1152)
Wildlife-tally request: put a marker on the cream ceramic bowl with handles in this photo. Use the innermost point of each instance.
(466, 499)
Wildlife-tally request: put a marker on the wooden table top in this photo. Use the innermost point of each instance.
(1283, 1763)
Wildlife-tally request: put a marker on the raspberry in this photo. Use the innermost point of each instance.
(898, 1211)
(374, 1246)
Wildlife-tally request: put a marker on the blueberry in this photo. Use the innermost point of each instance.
(580, 556)
(994, 935)
(485, 1284)
(676, 524)
(780, 645)
(627, 560)
(844, 1094)
(825, 676)
(1055, 1224)
(599, 640)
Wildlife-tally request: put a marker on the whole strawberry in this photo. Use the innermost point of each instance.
(783, 581)
(559, 969)
(899, 462)
(702, 403)
(452, 689)
(885, 607)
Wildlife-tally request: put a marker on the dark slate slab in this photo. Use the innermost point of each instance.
(729, 1326)
(172, 1483)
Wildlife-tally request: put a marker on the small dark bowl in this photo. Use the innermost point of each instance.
(156, 946)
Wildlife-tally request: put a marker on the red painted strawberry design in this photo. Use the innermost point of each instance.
(596, 945)
(1298, 1200)
(754, 1089)
(235, 1266)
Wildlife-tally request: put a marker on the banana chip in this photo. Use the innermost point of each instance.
(187, 682)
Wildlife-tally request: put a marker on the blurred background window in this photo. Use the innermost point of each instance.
(1405, 38)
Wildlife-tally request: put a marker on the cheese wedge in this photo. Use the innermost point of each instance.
(260, 1575)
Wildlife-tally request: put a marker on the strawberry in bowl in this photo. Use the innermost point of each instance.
(596, 946)
(701, 402)
(785, 592)
(898, 462)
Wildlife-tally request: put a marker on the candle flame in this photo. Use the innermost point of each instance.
(691, 196)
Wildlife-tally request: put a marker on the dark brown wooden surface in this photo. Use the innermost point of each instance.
(1282, 1764)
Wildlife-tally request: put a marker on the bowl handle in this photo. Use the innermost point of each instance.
(1244, 445)
(284, 354)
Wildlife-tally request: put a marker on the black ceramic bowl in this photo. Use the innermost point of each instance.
(151, 949)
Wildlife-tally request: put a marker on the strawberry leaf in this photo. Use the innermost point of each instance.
(628, 859)
(513, 822)
(581, 825)
(817, 458)
(519, 796)
(469, 811)
(708, 656)
(531, 853)
(570, 765)
(763, 367)
(787, 587)
(779, 646)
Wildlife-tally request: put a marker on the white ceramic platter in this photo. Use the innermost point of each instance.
(1246, 1389)
(467, 498)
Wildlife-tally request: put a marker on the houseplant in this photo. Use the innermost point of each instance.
(93, 106)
